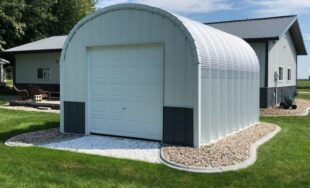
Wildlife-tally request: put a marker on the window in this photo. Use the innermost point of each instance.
(43, 73)
(280, 73)
(289, 76)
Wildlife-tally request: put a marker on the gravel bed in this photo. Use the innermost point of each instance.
(228, 151)
(302, 106)
(41, 137)
(123, 148)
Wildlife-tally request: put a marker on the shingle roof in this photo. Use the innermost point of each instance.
(54, 43)
(259, 29)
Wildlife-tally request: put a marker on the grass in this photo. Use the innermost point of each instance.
(303, 85)
(2, 101)
(304, 96)
(303, 90)
(9, 83)
(282, 162)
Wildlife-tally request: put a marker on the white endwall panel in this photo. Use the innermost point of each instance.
(204, 69)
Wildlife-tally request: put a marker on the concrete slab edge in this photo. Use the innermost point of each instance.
(251, 160)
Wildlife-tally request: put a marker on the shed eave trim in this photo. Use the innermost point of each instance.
(132, 6)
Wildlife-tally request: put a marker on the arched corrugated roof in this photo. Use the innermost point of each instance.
(211, 48)
(219, 50)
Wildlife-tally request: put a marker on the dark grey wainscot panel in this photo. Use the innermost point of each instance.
(267, 98)
(74, 117)
(178, 126)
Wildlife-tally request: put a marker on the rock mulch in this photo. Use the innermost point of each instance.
(302, 109)
(41, 137)
(228, 151)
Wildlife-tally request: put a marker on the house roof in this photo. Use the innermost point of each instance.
(54, 43)
(3, 61)
(263, 29)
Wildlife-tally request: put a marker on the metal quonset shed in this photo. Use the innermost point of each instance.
(138, 71)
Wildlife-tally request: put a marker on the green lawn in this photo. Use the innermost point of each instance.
(303, 85)
(2, 102)
(282, 162)
(304, 96)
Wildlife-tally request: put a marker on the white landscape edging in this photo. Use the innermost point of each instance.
(306, 113)
(251, 160)
(16, 144)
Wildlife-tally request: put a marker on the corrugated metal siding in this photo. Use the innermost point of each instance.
(28, 64)
(230, 82)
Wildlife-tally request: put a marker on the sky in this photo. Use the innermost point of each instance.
(221, 10)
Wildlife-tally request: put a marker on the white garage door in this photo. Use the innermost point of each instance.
(126, 91)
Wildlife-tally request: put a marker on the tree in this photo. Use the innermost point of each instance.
(11, 24)
(23, 21)
(69, 12)
(53, 17)
(39, 18)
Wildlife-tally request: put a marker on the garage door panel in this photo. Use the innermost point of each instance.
(107, 106)
(135, 91)
(112, 90)
(107, 125)
(126, 91)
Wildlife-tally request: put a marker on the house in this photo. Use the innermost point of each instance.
(137, 71)
(277, 42)
(2, 73)
(37, 63)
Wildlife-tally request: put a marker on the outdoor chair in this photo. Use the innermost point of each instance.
(35, 90)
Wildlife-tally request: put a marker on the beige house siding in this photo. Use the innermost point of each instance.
(282, 53)
(27, 65)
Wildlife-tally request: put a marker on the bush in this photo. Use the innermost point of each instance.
(6, 91)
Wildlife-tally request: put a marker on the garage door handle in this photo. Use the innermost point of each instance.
(124, 108)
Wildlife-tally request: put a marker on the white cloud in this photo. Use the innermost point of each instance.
(180, 6)
(280, 7)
